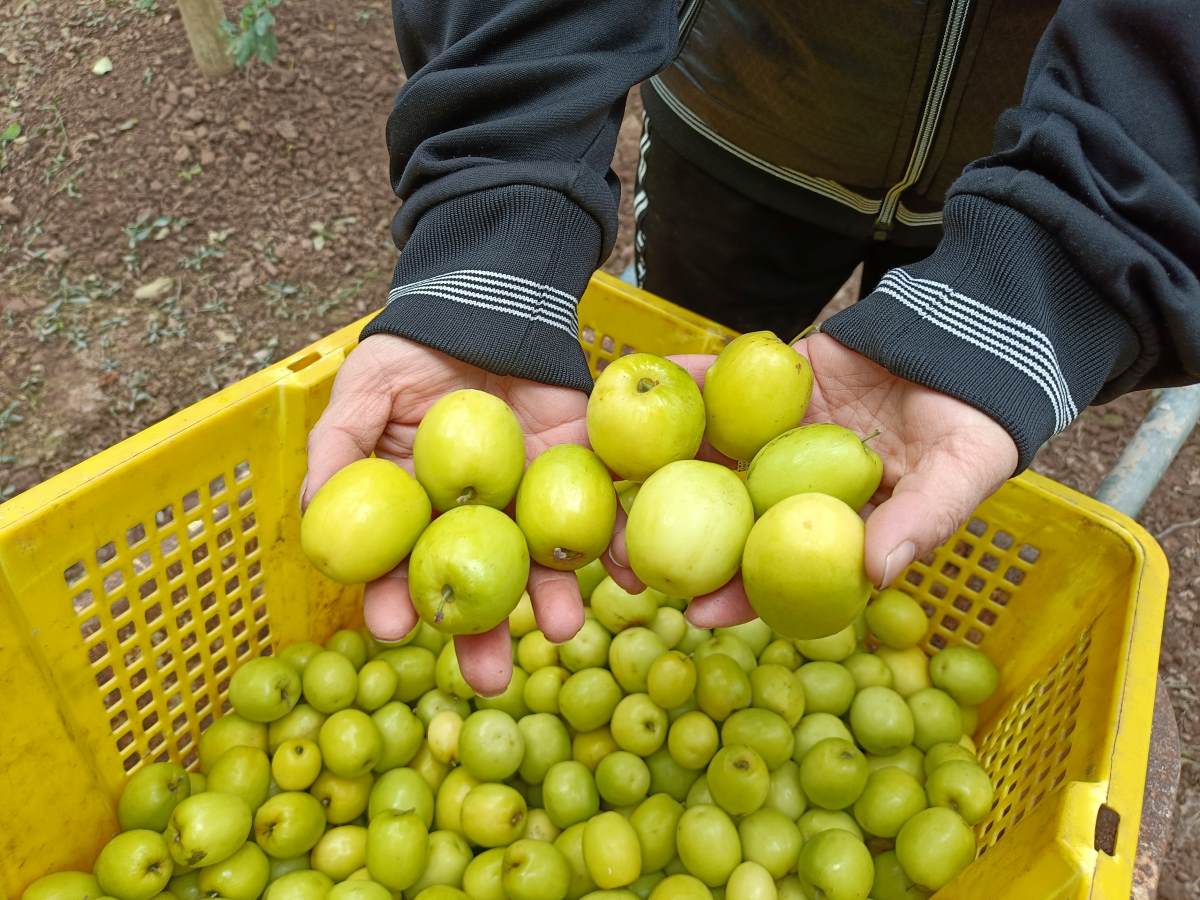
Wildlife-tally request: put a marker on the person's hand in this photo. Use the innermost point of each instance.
(941, 458)
(380, 394)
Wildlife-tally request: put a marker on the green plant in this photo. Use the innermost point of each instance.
(267, 353)
(10, 416)
(254, 34)
(160, 328)
(196, 261)
(134, 385)
(7, 136)
(58, 164)
(144, 228)
(279, 294)
(212, 250)
(321, 235)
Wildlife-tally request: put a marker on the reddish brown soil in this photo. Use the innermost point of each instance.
(247, 173)
(273, 189)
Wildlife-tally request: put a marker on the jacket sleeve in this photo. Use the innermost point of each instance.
(500, 145)
(1068, 270)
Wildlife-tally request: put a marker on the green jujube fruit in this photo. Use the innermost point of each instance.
(644, 412)
(397, 848)
(611, 850)
(822, 458)
(802, 567)
(469, 449)
(686, 532)
(655, 821)
(566, 507)
(708, 844)
(64, 886)
(151, 794)
(363, 521)
(757, 389)
(468, 570)
(589, 576)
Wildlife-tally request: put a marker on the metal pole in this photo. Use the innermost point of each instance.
(1150, 451)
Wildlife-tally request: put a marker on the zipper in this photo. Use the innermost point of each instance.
(932, 112)
(688, 14)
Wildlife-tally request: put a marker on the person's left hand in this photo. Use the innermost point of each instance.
(380, 395)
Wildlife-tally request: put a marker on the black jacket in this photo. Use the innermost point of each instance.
(856, 116)
(1068, 264)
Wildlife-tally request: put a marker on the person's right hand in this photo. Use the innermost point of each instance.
(379, 396)
(941, 459)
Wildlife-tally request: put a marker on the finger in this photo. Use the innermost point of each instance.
(724, 607)
(926, 507)
(486, 659)
(347, 431)
(697, 364)
(403, 458)
(709, 453)
(557, 603)
(801, 344)
(616, 560)
(387, 606)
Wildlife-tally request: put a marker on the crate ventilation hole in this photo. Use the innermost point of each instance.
(967, 583)
(1027, 751)
(166, 609)
(603, 352)
(965, 587)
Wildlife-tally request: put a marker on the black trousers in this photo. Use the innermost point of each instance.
(703, 245)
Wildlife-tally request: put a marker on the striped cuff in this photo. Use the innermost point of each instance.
(997, 317)
(493, 278)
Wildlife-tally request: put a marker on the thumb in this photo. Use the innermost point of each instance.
(926, 507)
(347, 431)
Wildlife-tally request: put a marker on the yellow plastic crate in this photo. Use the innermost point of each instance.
(133, 585)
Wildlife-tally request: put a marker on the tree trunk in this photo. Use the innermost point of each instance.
(202, 21)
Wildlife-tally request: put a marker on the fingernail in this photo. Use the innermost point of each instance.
(303, 492)
(615, 561)
(897, 561)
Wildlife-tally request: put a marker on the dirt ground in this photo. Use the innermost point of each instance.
(161, 237)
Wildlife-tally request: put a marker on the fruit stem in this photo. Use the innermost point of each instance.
(447, 597)
(874, 434)
(811, 329)
(646, 384)
(467, 495)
